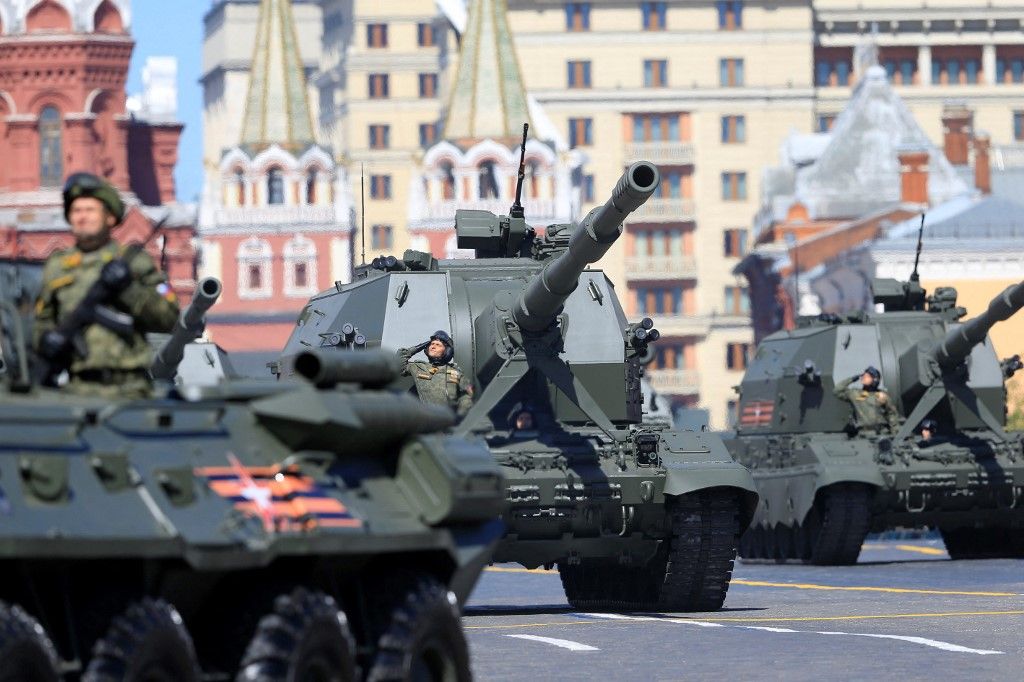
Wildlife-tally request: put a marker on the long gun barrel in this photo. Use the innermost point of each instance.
(190, 327)
(958, 342)
(546, 293)
(326, 368)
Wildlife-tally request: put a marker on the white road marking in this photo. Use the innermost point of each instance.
(935, 643)
(563, 643)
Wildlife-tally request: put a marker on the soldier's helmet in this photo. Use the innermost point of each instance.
(875, 374)
(80, 185)
(449, 347)
(929, 425)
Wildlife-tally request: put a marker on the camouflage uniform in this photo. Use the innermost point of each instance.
(871, 409)
(113, 367)
(443, 384)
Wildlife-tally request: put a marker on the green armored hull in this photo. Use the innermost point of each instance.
(635, 515)
(825, 481)
(322, 529)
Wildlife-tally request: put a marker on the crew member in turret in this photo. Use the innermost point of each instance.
(872, 407)
(439, 380)
(107, 358)
(929, 429)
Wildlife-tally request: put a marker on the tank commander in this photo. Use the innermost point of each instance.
(101, 343)
(929, 429)
(439, 380)
(872, 407)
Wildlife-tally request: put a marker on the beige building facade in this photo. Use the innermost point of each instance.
(708, 90)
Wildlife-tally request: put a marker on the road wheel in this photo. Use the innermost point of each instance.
(26, 653)
(839, 523)
(423, 641)
(147, 643)
(305, 638)
(783, 543)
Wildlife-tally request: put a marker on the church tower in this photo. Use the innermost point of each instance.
(275, 219)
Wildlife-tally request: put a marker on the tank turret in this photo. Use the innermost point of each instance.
(959, 341)
(556, 369)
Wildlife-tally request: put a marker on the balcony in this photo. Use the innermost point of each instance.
(659, 210)
(674, 381)
(695, 325)
(661, 267)
(268, 216)
(668, 153)
(538, 211)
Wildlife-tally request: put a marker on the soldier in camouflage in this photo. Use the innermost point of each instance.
(114, 364)
(439, 380)
(872, 407)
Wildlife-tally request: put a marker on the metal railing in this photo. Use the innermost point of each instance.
(665, 210)
(675, 153)
(674, 381)
(661, 267)
(274, 215)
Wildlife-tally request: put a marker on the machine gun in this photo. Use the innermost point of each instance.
(516, 336)
(190, 326)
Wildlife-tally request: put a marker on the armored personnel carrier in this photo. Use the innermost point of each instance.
(321, 529)
(825, 484)
(636, 516)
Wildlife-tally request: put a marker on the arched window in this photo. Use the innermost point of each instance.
(488, 180)
(532, 170)
(447, 181)
(107, 19)
(275, 186)
(254, 269)
(48, 15)
(311, 186)
(240, 186)
(299, 267)
(51, 155)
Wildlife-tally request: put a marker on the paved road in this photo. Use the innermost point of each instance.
(904, 612)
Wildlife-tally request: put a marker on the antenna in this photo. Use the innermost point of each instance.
(917, 256)
(362, 209)
(517, 208)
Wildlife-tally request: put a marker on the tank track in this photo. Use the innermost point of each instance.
(831, 535)
(983, 543)
(690, 572)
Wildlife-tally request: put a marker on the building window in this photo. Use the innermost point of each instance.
(955, 69)
(381, 237)
(577, 16)
(588, 187)
(734, 129)
(730, 14)
(731, 414)
(825, 122)
(240, 187)
(376, 35)
(51, 154)
(736, 355)
(380, 186)
(734, 186)
(299, 266)
(428, 134)
(428, 85)
(736, 301)
(487, 180)
(660, 300)
(671, 186)
(447, 181)
(378, 85)
(581, 132)
(254, 267)
(900, 71)
(275, 186)
(730, 72)
(673, 355)
(655, 73)
(656, 127)
(579, 74)
(1009, 66)
(380, 136)
(735, 242)
(425, 35)
(653, 15)
(832, 66)
(1018, 126)
(311, 186)
(669, 241)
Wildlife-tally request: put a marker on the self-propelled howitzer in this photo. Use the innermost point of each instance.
(825, 481)
(636, 516)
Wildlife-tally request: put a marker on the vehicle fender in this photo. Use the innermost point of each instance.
(699, 460)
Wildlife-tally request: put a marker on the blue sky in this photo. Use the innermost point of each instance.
(175, 29)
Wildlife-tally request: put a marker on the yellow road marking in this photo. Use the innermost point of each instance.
(931, 551)
(860, 588)
(781, 619)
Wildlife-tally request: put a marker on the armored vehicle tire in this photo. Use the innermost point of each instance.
(838, 524)
(691, 572)
(305, 637)
(148, 642)
(423, 641)
(984, 543)
(26, 653)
